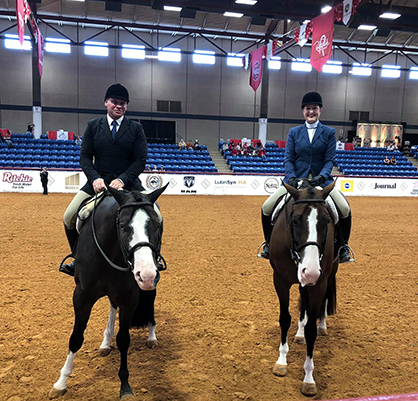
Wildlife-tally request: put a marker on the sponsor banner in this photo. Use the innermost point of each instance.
(200, 184)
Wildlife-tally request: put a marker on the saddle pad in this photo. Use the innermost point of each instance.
(329, 201)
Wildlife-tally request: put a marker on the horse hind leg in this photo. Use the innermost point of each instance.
(104, 349)
(82, 311)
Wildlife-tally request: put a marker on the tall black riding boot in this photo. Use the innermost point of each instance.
(345, 226)
(267, 229)
(161, 261)
(72, 237)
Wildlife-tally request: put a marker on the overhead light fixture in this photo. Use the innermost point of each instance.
(389, 15)
(171, 8)
(367, 27)
(325, 9)
(234, 15)
(248, 2)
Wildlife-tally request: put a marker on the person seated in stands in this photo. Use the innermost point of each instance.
(224, 148)
(78, 140)
(189, 144)
(386, 160)
(392, 147)
(366, 143)
(235, 151)
(8, 140)
(340, 144)
(147, 167)
(30, 130)
(262, 153)
(155, 168)
(406, 148)
(244, 150)
(231, 146)
(162, 169)
(196, 145)
(393, 161)
(182, 144)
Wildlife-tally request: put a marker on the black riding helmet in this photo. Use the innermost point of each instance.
(311, 98)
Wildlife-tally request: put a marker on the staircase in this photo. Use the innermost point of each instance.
(220, 162)
(413, 161)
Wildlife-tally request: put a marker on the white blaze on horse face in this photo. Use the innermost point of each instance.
(145, 270)
(309, 268)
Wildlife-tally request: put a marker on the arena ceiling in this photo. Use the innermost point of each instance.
(273, 18)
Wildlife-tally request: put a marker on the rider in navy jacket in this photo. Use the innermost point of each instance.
(304, 157)
(310, 153)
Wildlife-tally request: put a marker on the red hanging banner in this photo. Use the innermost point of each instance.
(20, 14)
(257, 67)
(322, 29)
(40, 53)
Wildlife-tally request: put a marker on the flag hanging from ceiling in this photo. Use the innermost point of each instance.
(270, 49)
(20, 14)
(347, 10)
(256, 67)
(322, 28)
(301, 35)
(40, 53)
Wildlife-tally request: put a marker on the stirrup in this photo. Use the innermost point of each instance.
(161, 264)
(350, 251)
(258, 250)
(63, 267)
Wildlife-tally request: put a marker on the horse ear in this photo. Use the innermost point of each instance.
(119, 196)
(153, 196)
(328, 189)
(292, 191)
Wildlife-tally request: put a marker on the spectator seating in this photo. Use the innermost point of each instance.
(171, 159)
(369, 162)
(36, 153)
(271, 164)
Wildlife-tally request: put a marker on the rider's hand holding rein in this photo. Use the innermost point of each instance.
(117, 184)
(99, 185)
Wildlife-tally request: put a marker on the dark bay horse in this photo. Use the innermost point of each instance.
(302, 252)
(116, 257)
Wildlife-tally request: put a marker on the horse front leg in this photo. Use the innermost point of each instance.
(123, 340)
(300, 335)
(82, 309)
(104, 349)
(282, 289)
(309, 385)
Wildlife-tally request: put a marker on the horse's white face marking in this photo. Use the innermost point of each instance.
(145, 270)
(309, 268)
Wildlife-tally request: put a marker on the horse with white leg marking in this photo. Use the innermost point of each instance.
(120, 236)
(302, 252)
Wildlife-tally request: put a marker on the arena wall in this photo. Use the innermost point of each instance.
(217, 101)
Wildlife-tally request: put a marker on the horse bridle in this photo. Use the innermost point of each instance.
(294, 251)
(127, 254)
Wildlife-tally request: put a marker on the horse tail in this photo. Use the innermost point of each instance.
(144, 312)
(331, 295)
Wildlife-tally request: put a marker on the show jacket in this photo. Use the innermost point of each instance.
(123, 157)
(303, 157)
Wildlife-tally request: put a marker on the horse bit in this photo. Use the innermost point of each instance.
(294, 253)
(127, 254)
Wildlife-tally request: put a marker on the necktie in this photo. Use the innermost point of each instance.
(115, 124)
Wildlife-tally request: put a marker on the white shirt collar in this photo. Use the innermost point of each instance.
(110, 121)
(311, 126)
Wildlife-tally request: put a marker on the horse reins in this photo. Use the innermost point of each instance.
(127, 254)
(294, 251)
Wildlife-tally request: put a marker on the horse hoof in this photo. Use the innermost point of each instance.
(322, 331)
(104, 351)
(280, 370)
(55, 393)
(309, 389)
(299, 340)
(127, 397)
(152, 344)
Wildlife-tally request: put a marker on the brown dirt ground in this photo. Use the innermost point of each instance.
(216, 308)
